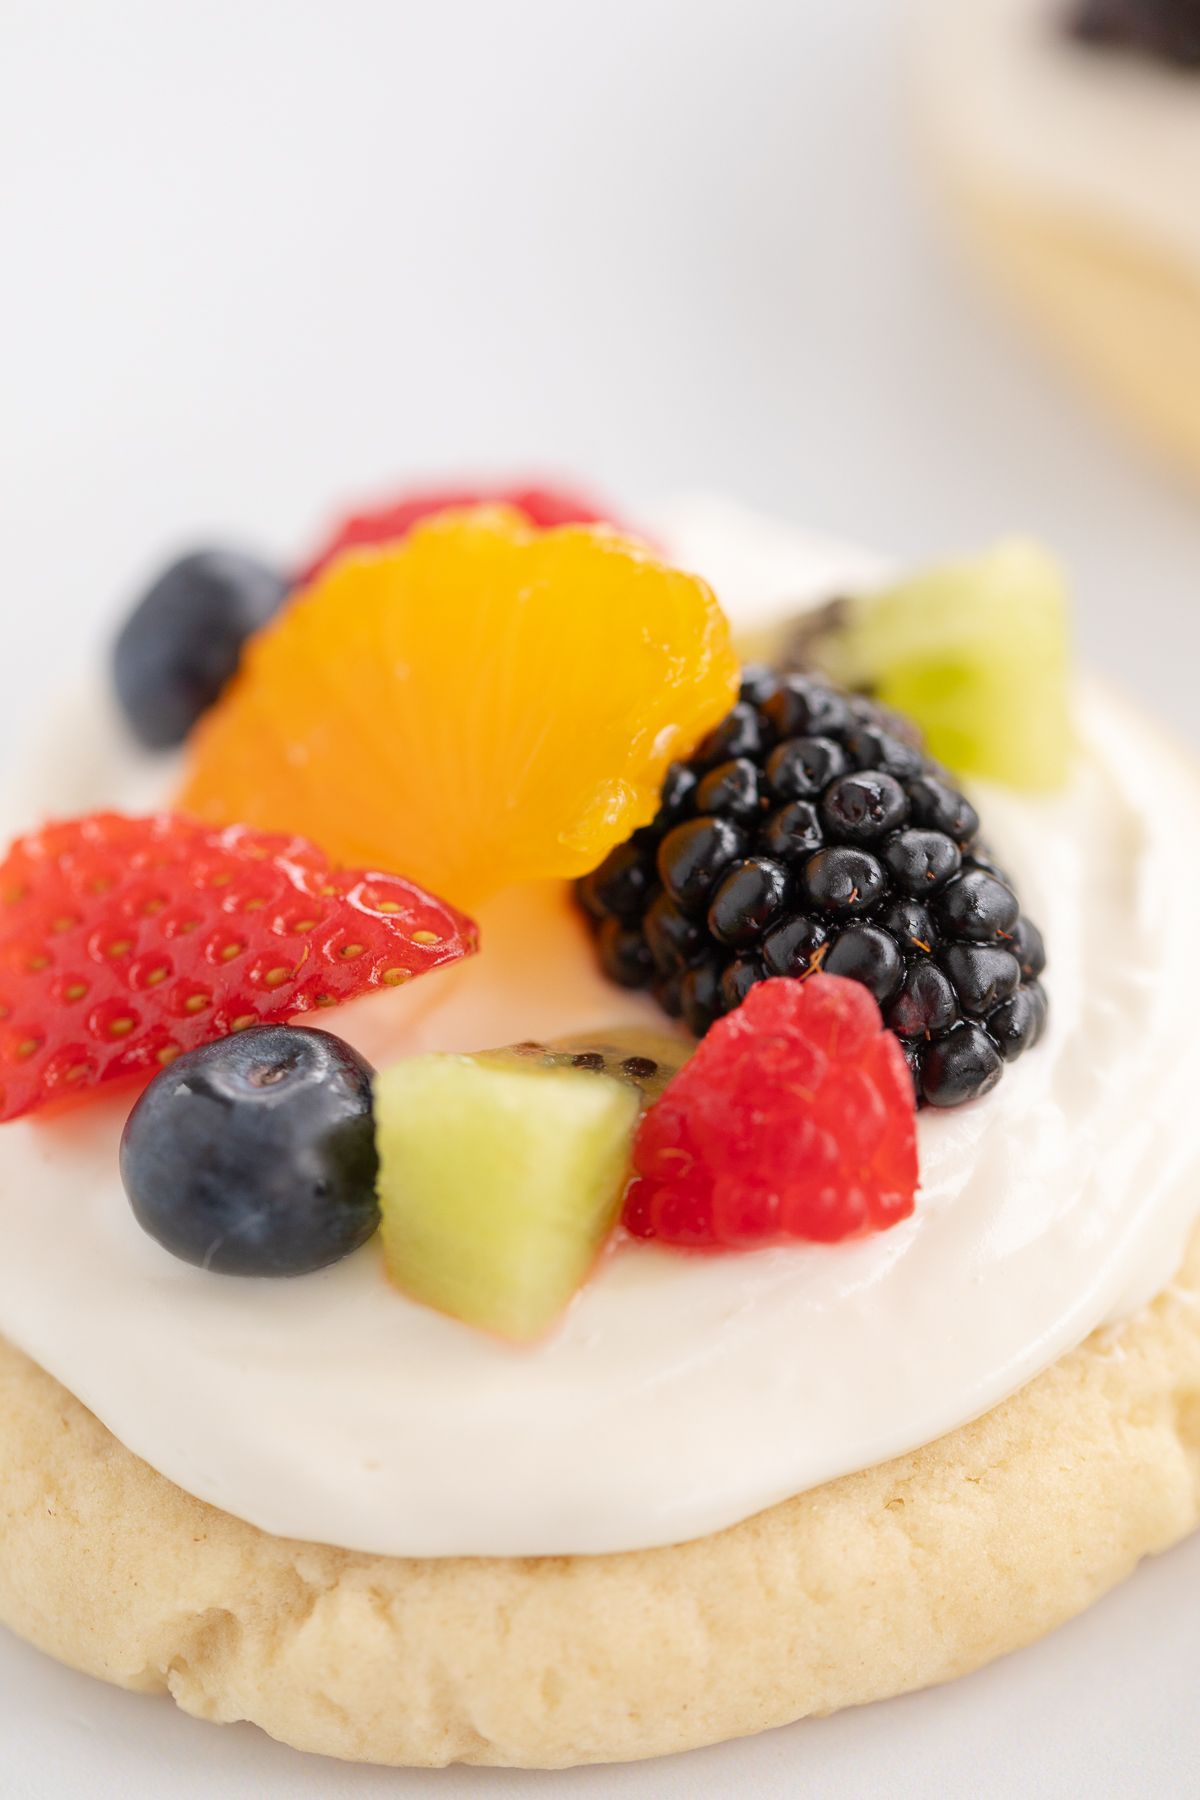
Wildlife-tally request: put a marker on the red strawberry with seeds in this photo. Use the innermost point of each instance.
(795, 1119)
(543, 507)
(124, 941)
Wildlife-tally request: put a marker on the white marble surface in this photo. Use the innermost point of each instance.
(257, 257)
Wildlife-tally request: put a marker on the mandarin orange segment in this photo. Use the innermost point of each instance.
(481, 704)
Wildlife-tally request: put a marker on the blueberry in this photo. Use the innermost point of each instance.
(181, 644)
(255, 1155)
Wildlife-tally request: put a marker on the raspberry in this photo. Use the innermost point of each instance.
(543, 506)
(126, 941)
(795, 1119)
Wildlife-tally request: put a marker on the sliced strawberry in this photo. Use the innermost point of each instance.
(124, 941)
(383, 524)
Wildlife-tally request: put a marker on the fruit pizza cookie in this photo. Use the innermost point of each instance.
(1066, 136)
(594, 1157)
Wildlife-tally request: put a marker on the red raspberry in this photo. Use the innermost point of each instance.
(544, 507)
(124, 941)
(796, 1118)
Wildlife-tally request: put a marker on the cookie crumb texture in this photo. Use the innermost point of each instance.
(906, 1575)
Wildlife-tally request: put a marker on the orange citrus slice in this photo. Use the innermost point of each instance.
(481, 704)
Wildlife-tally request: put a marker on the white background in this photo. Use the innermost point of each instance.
(257, 256)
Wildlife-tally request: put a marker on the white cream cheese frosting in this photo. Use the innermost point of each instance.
(1106, 137)
(680, 1394)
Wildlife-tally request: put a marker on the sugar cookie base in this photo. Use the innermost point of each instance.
(908, 1574)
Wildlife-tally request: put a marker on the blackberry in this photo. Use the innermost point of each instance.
(1164, 28)
(808, 832)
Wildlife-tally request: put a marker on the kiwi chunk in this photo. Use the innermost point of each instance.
(977, 652)
(645, 1059)
(500, 1178)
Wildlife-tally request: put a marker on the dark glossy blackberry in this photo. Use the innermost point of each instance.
(747, 901)
(803, 707)
(811, 832)
(622, 885)
(791, 834)
(759, 682)
(867, 953)
(1165, 28)
(733, 789)
(677, 790)
(921, 862)
(737, 978)
(1017, 1024)
(693, 857)
(624, 954)
(864, 807)
(791, 948)
(979, 907)
(741, 733)
(844, 881)
(963, 1065)
(1028, 948)
(940, 808)
(982, 976)
(673, 938)
(912, 927)
(927, 1004)
(802, 768)
(700, 998)
(874, 747)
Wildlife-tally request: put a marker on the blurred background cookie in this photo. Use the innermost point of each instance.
(1066, 134)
